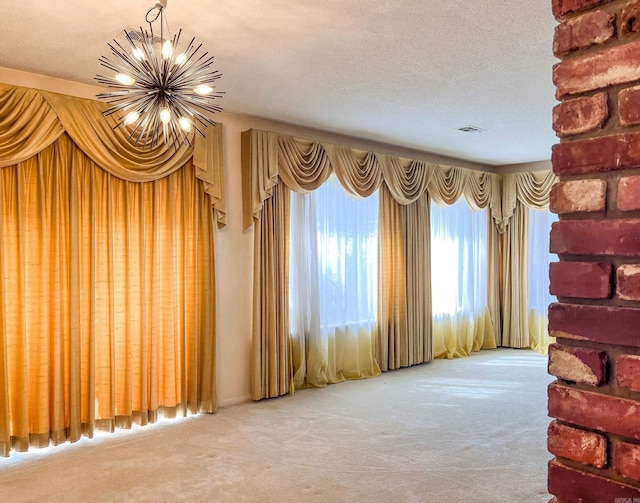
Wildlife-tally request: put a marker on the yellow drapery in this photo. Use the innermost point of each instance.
(404, 283)
(303, 165)
(106, 284)
(271, 349)
(522, 327)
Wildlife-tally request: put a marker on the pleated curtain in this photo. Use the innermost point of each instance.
(404, 283)
(520, 191)
(271, 349)
(404, 324)
(107, 296)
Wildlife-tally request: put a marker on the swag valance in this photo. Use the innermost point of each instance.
(530, 189)
(31, 120)
(303, 165)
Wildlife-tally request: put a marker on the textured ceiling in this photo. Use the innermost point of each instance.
(404, 72)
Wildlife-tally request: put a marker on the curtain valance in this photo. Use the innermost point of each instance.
(303, 165)
(531, 189)
(28, 124)
(358, 170)
(31, 120)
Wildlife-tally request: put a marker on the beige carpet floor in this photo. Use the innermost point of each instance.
(459, 431)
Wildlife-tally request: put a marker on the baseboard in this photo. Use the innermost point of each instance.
(234, 401)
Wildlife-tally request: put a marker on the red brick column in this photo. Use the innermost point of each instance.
(595, 401)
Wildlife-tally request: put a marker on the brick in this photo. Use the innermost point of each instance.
(630, 18)
(577, 445)
(596, 237)
(585, 280)
(575, 486)
(603, 324)
(629, 193)
(626, 460)
(606, 153)
(578, 196)
(588, 409)
(628, 282)
(583, 31)
(628, 106)
(609, 67)
(580, 115)
(561, 8)
(578, 365)
(628, 371)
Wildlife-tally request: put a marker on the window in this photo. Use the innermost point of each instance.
(539, 259)
(333, 284)
(347, 256)
(538, 292)
(461, 320)
(458, 259)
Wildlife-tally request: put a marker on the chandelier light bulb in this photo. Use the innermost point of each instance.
(131, 117)
(167, 49)
(185, 124)
(165, 115)
(181, 59)
(138, 53)
(125, 79)
(203, 89)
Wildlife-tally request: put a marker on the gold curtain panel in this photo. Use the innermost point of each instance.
(107, 285)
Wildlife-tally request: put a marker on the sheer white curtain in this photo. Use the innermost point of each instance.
(333, 285)
(539, 259)
(459, 279)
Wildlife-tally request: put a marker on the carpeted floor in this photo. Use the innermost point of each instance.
(458, 431)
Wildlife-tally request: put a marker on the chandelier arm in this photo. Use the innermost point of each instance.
(203, 119)
(146, 121)
(192, 80)
(139, 67)
(141, 106)
(211, 106)
(200, 75)
(211, 109)
(124, 98)
(123, 55)
(196, 99)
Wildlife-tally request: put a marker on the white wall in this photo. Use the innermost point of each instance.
(233, 245)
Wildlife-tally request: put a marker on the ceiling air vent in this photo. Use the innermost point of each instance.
(470, 129)
(134, 33)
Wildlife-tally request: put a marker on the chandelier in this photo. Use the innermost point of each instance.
(159, 94)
